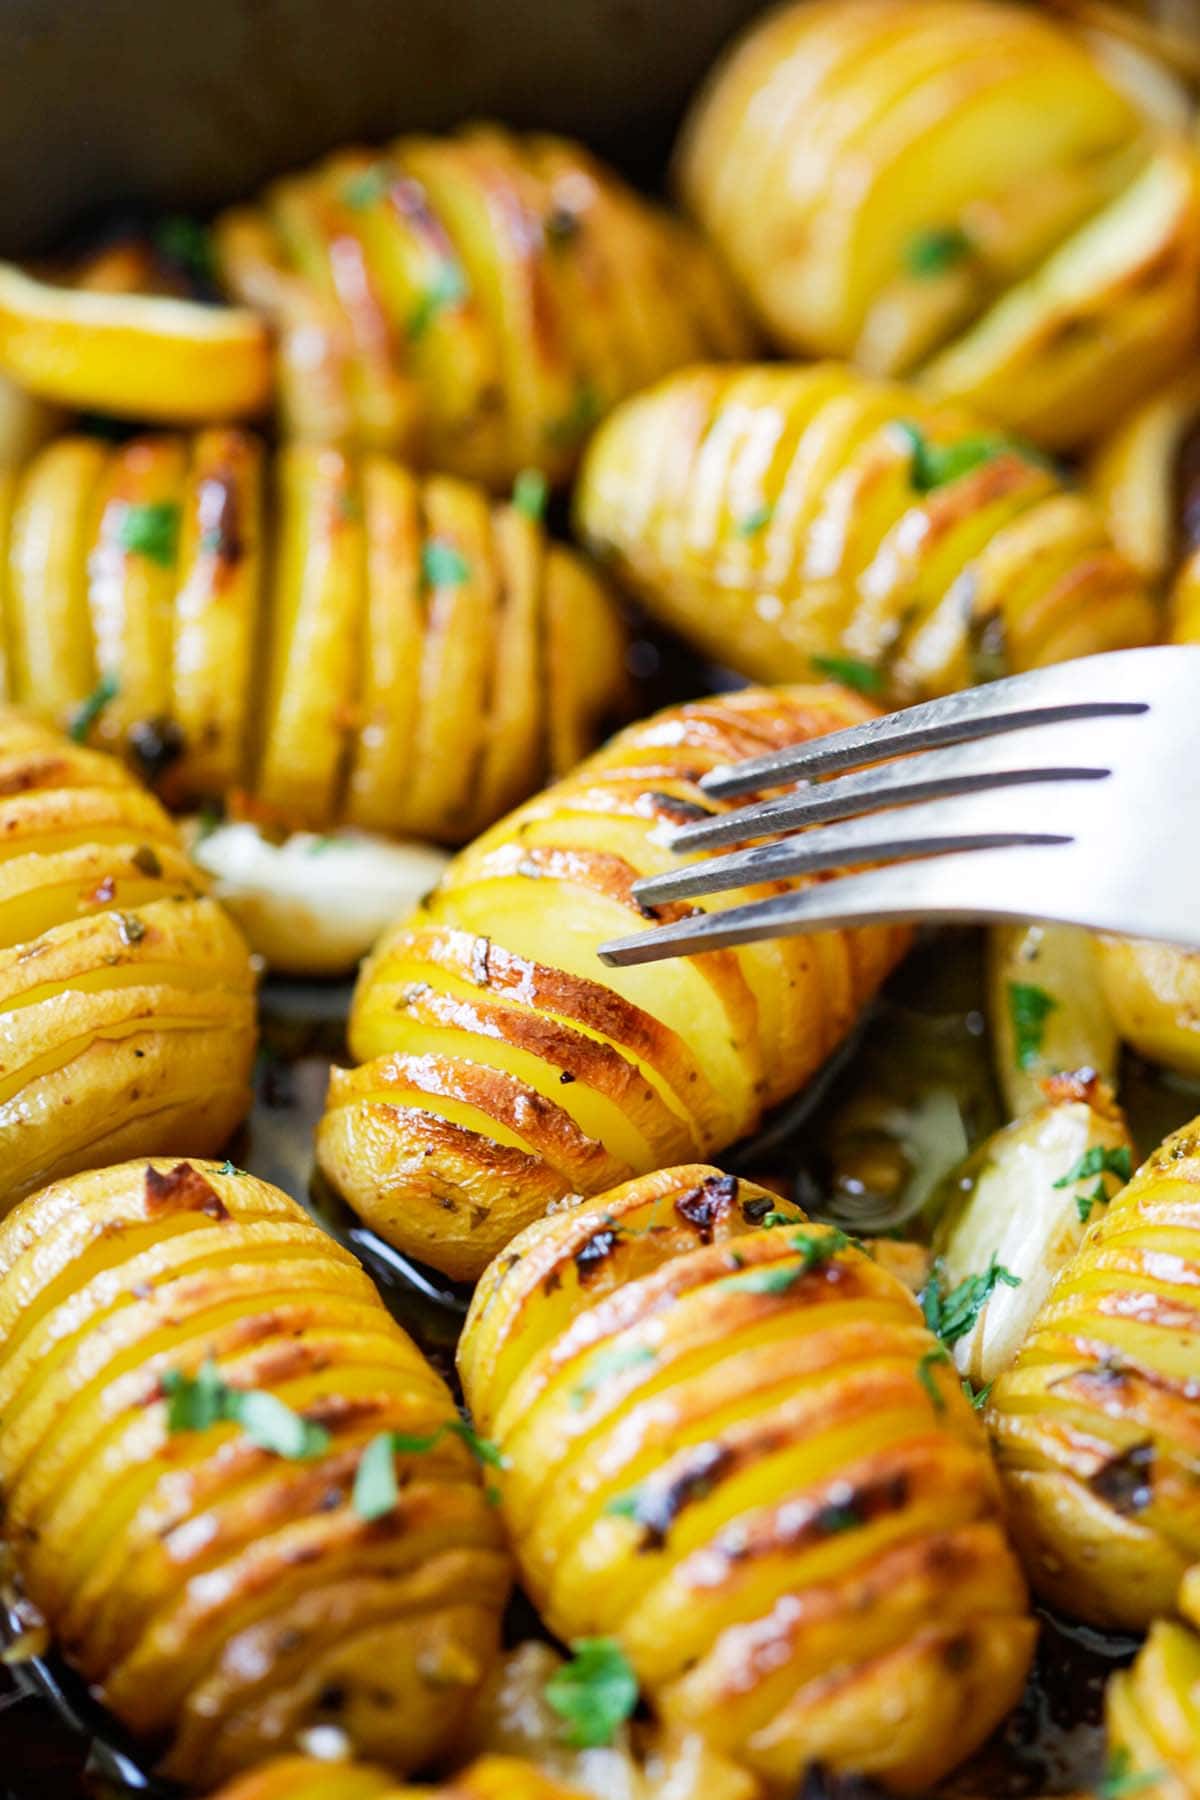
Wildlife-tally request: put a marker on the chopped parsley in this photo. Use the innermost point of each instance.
(610, 1362)
(442, 565)
(931, 1360)
(365, 188)
(814, 1247)
(936, 465)
(375, 1487)
(1099, 1161)
(228, 1168)
(951, 1315)
(864, 677)
(594, 1693)
(529, 494)
(89, 710)
(197, 1402)
(188, 244)
(936, 249)
(151, 530)
(448, 288)
(1029, 1007)
(1121, 1779)
(755, 521)
(978, 1396)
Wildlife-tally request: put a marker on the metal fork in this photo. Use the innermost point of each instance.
(1071, 794)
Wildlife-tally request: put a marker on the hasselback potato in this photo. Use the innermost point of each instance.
(790, 520)
(204, 1567)
(304, 1778)
(126, 995)
(956, 192)
(361, 647)
(475, 302)
(1097, 1426)
(502, 1066)
(733, 1445)
(1152, 1711)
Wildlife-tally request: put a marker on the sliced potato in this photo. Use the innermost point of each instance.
(1153, 994)
(1048, 1011)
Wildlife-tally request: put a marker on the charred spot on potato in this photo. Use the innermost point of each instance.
(130, 929)
(565, 1078)
(703, 1206)
(670, 807)
(155, 746)
(146, 860)
(561, 224)
(181, 1189)
(1126, 1482)
(219, 518)
(755, 1211)
(656, 1509)
(957, 1654)
(592, 1255)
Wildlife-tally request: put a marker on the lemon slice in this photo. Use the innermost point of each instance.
(144, 356)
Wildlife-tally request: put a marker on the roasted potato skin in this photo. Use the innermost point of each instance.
(1096, 1427)
(501, 1066)
(1152, 1712)
(219, 1598)
(749, 1463)
(326, 640)
(955, 193)
(304, 1778)
(471, 302)
(126, 995)
(777, 516)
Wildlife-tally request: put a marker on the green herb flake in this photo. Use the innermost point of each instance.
(443, 565)
(936, 465)
(951, 1315)
(814, 1247)
(188, 244)
(626, 1506)
(1121, 1779)
(594, 1693)
(448, 288)
(1098, 1161)
(89, 710)
(197, 1402)
(931, 1360)
(610, 1362)
(863, 677)
(978, 1397)
(375, 1490)
(1029, 1007)
(229, 1168)
(755, 521)
(151, 530)
(936, 249)
(529, 494)
(365, 188)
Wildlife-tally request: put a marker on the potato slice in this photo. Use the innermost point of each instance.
(53, 664)
(1047, 1010)
(1153, 994)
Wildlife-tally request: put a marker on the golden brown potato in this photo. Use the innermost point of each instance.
(956, 192)
(1153, 994)
(1097, 1425)
(800, 520)
(473, 302)
(305, 1778)
(733, 1445)
(190, 1370)
(1152, 1711)
(502, 1066)
(364, 648)
(126, 995)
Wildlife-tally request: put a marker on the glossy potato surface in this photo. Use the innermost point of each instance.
(222, 1598)
(473, 302)
(126, 994)
(794, 520)
(1097, 1426)
(953, 191)
(1152, 1711)
(304, 1778)
(501, 1066)
(333, 639)
(733, 1444)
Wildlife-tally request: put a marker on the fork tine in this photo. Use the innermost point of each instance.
(936, 774)
(962, 886)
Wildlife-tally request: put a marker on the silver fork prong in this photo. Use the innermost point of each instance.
(969, 885)
(936, 775)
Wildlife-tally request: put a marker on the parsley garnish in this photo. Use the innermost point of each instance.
(197, 1402)
(934, 465)
(448, 288)
(529, 494)
(977, 1396)
(151, 530)
(89, 710)
(862, 676)
(610, 1362)
(815, 1248)
(228, 1168)
(1121, 1778)
(188, 244)
(375, 1488)
(1099, 1161)
(442, 565)
(936, 249)
(366, 188)
(925, 1368)
(586, 408)
(755, 521)
(1029, 1007)
(594, 1693)
(952, 1315)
